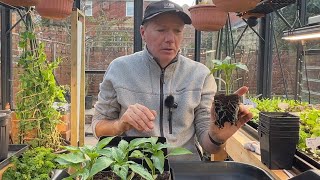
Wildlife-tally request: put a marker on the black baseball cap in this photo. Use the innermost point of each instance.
(164, 6)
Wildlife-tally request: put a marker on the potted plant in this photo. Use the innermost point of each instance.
(36, 163)
(226, 104)
(37, 118)
(57, 9)
(139, 157)
(21, 2)
(206, 16)
(236, 5)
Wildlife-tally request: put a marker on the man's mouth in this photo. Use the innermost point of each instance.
(167, 49)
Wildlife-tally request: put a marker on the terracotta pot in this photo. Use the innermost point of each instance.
(57, 9)
(65, 123)
(28, 136)
(14, 130)
(236, 5)
(207, 17)
(21, 2)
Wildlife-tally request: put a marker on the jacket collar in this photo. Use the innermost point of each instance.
(154, 59)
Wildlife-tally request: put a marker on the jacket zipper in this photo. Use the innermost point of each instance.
(161, 101)
(162, 94)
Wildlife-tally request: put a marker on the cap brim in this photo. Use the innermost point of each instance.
(185, 17)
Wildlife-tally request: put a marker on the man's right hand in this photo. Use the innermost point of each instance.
(139, 117)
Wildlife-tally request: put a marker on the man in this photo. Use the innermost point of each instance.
(159, 92)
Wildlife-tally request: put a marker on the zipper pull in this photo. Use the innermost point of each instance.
(170, 120)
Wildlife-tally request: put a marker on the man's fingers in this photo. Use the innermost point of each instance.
(140, 117)
(241, 91)
(136, 120)
(154, 113)
(147, 113)
(244, 115)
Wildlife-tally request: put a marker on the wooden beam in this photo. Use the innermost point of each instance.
(77, 77)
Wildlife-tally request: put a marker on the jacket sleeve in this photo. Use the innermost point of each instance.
(107, 106)
(202, 111)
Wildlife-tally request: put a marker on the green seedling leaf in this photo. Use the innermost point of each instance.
(121, 171)
(104, 142)
(123, 145)
(158, 161)
(137, 168)
(242, 66)
(106, 152)
(149, 162)
(101, 164)
(153, 140)
(135, 143)
(85, 174)
(73, 157)
(179, 151)
(136, 154)
(117, 154)
(160, 146)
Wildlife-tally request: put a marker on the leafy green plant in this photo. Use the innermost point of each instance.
(89, 160)
(310, 125)
(273, 105)
(227, 70)
(37, 93)
(36, 164)
(309, 128)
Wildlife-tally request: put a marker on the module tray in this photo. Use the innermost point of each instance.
(14, 150)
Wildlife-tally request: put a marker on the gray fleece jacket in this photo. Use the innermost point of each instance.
(138, 78)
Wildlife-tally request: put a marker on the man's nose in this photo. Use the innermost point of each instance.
(170, 36)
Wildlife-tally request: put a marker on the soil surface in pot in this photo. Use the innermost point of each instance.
(107, 175)
(226, 109)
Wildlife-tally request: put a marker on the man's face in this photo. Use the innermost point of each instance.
(163, 35)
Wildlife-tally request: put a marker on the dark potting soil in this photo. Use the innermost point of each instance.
(226, 109)
(108, 175)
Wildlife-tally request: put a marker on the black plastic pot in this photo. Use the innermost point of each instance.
(278, 135)
(276, 119)
(4, 133)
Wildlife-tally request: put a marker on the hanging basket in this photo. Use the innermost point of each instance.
(236, 5)
(55, 9)
(21, 2)
(207, 17)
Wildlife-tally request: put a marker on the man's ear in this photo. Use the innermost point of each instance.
(142, 31)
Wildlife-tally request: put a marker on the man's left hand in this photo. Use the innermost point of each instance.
(224, 133)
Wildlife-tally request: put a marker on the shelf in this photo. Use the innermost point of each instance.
(268, 6)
